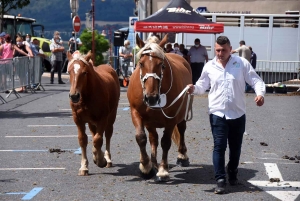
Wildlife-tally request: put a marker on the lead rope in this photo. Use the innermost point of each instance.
(183, 93)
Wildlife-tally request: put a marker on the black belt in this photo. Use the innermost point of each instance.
(197, 62)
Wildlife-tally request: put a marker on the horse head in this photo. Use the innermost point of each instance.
(79, 68)
(151, 66)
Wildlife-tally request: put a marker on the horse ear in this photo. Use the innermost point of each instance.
(69, 56)
(163, 41)
(139, 41)
(88, 56)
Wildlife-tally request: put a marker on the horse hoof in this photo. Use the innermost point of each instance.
(183, 162)
(150, 175)
(83, 173)
(109, 165)
(101, 165)
(162, 179)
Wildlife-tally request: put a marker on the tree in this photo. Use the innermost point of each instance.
(101, 45)
(7, 5)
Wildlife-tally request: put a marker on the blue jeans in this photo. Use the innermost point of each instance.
(223, 130)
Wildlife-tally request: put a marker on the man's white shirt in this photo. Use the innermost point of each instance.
(227, 93)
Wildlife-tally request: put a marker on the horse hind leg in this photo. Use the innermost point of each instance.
(83, 140)
(98, 155)
(178, 138)
(108, 135)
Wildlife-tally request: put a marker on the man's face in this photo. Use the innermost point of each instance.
(222, 51)
(197, 43)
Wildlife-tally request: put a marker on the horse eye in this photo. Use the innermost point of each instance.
(141, 65)
(85, 73)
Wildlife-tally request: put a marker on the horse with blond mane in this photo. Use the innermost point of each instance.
(94, 97)
(157, 97)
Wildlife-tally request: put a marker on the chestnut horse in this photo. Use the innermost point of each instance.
(159, 73)
(94, 98)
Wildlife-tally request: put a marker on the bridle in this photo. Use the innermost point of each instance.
(155, 76)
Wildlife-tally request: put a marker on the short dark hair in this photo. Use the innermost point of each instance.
(197, 40)
(242, 42)
(222, 40)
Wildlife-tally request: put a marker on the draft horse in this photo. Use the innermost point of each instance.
(159, 73)
(94, 97)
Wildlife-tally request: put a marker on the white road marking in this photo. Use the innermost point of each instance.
(283, 190)
(40, 136)
(56, 117)
(65, 109)
(50, 168)
(70, 125)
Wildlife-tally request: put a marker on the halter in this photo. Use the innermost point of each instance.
(155, 76)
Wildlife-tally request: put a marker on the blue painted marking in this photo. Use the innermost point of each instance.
(78, 151)
(126, 108)
(32, 193)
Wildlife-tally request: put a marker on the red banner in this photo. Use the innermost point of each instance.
(178, 27)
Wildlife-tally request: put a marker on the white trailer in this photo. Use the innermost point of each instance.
(274, 38)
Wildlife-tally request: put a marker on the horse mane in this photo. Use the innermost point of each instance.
(78, 57)
(152, 45)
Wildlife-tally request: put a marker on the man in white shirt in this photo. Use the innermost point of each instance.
(226, 74)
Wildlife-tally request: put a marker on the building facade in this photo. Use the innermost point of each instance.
(234, 6)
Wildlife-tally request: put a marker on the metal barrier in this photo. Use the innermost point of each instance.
(279, 71)
(20, 72)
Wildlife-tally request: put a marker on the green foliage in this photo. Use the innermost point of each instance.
(7, 5)
(101, 45)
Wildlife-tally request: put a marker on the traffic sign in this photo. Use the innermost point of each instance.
(76, 23)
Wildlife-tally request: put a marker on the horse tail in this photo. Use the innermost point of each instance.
(176, 136)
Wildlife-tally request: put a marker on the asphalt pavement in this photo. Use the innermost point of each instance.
(40, 155)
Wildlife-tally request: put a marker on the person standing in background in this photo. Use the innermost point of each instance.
(243, 51)
(126, 55)
(57, 57)
(197, 55)
(253, 58)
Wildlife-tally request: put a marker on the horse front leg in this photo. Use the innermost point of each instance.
(153, 138)
(145, 166)
(182, 159)
(98, 155)
(163, 170)
(108, 135)
(83, 140)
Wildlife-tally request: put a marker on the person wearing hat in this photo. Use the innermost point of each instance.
(197, 55)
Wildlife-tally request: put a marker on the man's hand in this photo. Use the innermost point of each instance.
(191, 89)
(259, 100)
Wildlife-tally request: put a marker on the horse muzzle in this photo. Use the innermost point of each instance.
(74, 97)
(151, 100)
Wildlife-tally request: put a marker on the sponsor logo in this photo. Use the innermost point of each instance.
(155, 27)
(205, 27)
(183, 27)
(179, 10)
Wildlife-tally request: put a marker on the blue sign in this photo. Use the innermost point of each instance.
(201, 9)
